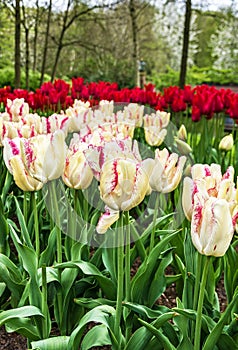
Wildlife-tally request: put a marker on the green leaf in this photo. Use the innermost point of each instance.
(99, 314)
(159, 282)
(15, 286)
(24, 231)
(150, 227)
(47, 255)
(147, 270)
(28, 255)
(217, 330)
(159, 335)
(149, 313)
(21, 312)
(23, 326)
(97, 336)
(91, 303)
(87, 268)
(55, 343)
(139, 339)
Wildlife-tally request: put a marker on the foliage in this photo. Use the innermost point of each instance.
(195, 76)
(7, 78)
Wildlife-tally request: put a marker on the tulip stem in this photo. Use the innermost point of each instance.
(120, 278)
(25, 206)
(36, 224)
(44, 302)
(196, 287)
(152, 236)
(197, 339)
(56, 218)
(127, 275)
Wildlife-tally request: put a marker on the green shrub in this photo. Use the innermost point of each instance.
(7, 76)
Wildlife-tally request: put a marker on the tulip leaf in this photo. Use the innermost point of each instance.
(91, 303)
(158, 284)
(47, 255)
(89, 269)
(20, 312)
(27, 254)
(14, 285)
(54, 343)
(145, 273)
(108, 258)
(213, 337)
(151, 226)
(2, 288)
(23, 326)
(99, 314)
(148, 312)
(22, 222)
(167, 345)
(97, 336)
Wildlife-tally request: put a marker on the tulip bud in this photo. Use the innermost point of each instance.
(182, 133)
(183, 147)
(226, 143)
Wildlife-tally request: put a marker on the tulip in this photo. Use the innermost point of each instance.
(167, 171)
(183, 147)
(226, 143)
(43, 156)
(17, 109)
(134, 112)
(211, 227)
(77, 173)
(123, 185)
(14, 162)
(154, 126)
(209, 181)
(182, 133)
(106, 107)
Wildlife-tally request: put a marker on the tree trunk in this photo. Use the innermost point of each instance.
(27, 57)
(132, 9)
(46, 43)
(60, 44)
(35, 36)
(17, 45)
(183, 67)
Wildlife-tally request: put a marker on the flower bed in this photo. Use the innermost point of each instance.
(110, 179)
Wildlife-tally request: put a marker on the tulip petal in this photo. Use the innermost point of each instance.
(107, 219)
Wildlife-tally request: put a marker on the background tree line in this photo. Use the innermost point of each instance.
(104, 40)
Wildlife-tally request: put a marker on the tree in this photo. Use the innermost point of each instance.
(183, 67)
(17, 44)
(46, 42)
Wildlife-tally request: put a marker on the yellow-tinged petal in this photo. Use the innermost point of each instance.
(22, 177)
(212, 227)
(226, 143)
(107, 219)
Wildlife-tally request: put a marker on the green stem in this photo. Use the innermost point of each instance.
(200, 305)
(120, 279)
(152, 237)
(127, 259)
(36, 223)
(55, 210)
(44, 301)
(25, 206)
(196, 287)
(127, 276)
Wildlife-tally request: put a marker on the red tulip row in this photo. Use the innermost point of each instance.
(200, 101)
